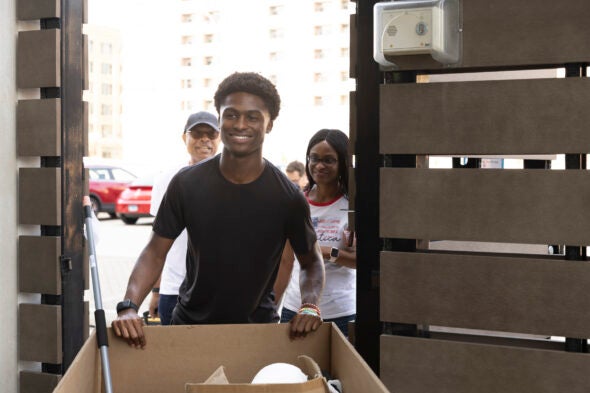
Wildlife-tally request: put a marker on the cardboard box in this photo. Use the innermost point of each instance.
(176, 355)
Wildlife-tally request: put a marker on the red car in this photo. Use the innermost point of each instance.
(134, 202)
(104, 186)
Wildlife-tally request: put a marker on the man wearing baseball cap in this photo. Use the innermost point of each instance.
(201, 138)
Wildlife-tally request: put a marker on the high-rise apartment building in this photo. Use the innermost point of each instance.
(302, 46)
(104, 93)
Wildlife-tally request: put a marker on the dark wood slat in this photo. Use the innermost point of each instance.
(503, 33)
(486, 117)
(353, 46)
(38, 264)
(37, 9)
(412, 365)
(39, 196)
(521, 295)
(39, 127)
(36, 382)
(511, 206)
(39, 333)
(37, 59)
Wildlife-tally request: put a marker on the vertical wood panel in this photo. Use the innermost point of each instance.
(353, 47)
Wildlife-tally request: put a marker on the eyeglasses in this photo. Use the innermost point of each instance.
(198, 134)
(326, 161)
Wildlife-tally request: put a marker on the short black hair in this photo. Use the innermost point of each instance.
(252, 83)
(296, 166)
(339, 142)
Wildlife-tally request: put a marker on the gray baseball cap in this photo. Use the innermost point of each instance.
(202, 118)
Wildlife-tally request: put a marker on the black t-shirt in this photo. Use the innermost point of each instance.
(236, 234)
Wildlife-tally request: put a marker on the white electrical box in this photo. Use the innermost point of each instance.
(418, 27)
(406, 31)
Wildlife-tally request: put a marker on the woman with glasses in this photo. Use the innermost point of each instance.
(327, 194)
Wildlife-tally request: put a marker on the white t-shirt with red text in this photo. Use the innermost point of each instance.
(330, 221)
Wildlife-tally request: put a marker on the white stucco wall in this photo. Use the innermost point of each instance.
(8, 204)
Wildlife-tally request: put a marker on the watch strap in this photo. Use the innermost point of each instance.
(334, 252)
(126, 304)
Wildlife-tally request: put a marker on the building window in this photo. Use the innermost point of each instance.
(343, 99)
(211, 17)
(186, 62)
(207, 105)
(344, 27)
(187, 40)
(272, 56)
(106, 89)
(318, 6)
(186, 83)
(318, 30)
(344, 52)
(186, 18)
(208, 38)
(105, 110)
(319, 77)
(206, 82)
(275, 33)
(273, 79)
(344, 4)
(343, 76)
(106, 48)
(207, 60)
(275, 9)
(318, 54)
(106, 131)
(318, 101)
(106, 68)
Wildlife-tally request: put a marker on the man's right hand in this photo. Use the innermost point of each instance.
(129, 326)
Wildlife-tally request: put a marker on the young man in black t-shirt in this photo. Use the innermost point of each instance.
(238, 210)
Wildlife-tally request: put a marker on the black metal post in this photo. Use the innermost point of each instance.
(73, 317)
(575, 253)
(368, 161)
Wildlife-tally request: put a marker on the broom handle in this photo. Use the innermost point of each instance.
(99, 317)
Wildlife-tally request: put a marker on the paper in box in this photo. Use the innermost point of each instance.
(177, 355)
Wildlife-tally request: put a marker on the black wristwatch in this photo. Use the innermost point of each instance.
(125, 304)
(334, 252)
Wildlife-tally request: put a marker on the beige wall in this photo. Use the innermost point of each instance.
(8, 208)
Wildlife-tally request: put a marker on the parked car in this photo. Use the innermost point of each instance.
(134, 202)
(104, 186)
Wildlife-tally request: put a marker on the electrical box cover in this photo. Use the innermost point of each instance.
(418, 27)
